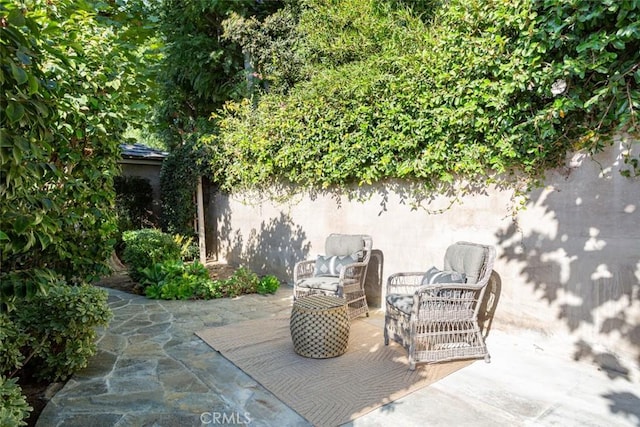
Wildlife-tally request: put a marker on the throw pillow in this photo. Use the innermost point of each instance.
(333, 265)
(433, 275)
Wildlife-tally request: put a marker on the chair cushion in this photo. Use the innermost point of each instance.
(466, 258)
(433, 275)
(332, 265)
(402, 302)
(344, 245)
(325, 283)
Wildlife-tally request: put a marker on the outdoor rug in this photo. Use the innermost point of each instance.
(326, 392)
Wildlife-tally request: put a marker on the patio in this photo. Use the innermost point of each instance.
(152, 369)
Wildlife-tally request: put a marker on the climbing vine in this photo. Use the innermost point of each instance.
(478, 89)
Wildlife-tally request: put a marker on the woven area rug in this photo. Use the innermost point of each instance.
(326, 392)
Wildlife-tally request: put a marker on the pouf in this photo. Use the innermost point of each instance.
(319, 326)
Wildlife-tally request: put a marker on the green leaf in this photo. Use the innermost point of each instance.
(34, 85)
(20, 224)
(24, 58)
(16, 18)
(19, 74)
(15, 111)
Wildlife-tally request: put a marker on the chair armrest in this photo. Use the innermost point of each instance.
(353, 271)
(352, 276)
(446, 286)
(404, 283)
(446, 301)
(303, 270)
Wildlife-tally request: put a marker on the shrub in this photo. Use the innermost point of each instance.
(13, 405)
(268, 285)
(243, 281)
(11, 342)
(146, 247)
(175, 280)
(63, 324)
(189, 250)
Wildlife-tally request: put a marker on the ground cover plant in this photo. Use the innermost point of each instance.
(174, 279)
(146, 247)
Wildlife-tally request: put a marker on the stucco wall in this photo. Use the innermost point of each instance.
(567, 266)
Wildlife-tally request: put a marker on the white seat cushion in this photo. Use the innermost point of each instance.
(325, 283)
(401, 302)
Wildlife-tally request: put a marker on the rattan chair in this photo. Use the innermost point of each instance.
(438, 322)
(341, 271)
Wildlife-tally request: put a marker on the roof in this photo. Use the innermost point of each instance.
(142, 152)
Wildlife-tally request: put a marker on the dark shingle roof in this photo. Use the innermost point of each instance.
(139, 151)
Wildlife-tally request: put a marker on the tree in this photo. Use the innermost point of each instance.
(201, 70)
(69, 86)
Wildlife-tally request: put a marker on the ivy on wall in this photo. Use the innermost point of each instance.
(479, 89)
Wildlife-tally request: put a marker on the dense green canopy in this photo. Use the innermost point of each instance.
(427, 91)
(72, 81)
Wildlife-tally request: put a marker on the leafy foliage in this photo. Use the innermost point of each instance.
(485, 90)
(200, 71)
(11, 342)
(268, 285)
(14, 409)
(176, 280)
(271, 48)
(61, 326)
(178, 181)
(69, 85)
(146, 247)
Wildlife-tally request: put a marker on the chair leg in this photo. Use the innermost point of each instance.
(412, 360)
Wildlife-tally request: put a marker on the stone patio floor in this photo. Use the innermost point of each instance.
(152, 370)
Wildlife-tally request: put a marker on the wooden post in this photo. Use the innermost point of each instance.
(201, 237)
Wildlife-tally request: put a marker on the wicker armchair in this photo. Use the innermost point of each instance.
(340, 272)
(437, 322)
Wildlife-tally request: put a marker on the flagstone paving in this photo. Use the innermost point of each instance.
(152, 370)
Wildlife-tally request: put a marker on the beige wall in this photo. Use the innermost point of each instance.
(568, 264)
(149, 170)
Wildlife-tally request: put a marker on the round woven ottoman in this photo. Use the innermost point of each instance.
(320, 326)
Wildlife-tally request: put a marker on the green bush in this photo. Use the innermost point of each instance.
(268, 285)
(189, 250)
(482, 91)
(146, 247)
(62, 327)
(13, 405)
(243, 281)
(174, 279)
(11, 342)
(177, 280)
